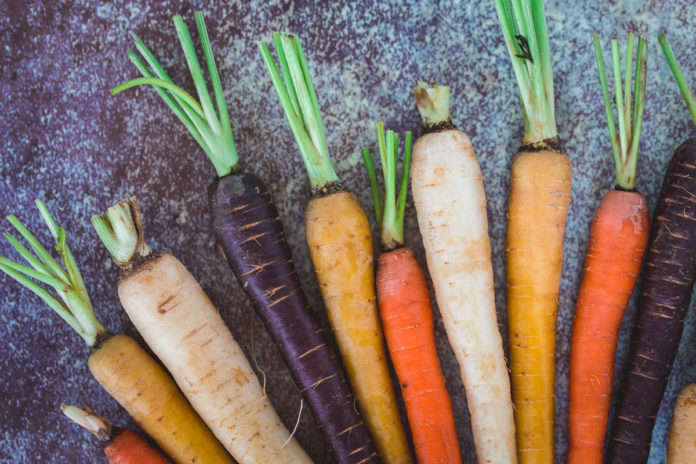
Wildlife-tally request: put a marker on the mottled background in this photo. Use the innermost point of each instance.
(65, 140)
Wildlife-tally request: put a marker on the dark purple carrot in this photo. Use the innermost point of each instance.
(251, 236)
(670, 274)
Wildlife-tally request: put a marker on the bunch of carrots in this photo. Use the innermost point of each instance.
(205, 404)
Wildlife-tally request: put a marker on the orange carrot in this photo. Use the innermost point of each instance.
(618, 238)
(407, 316)
(121, 446)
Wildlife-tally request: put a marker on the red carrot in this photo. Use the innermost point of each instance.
(121, 446)
(618, 239)
(407, 317)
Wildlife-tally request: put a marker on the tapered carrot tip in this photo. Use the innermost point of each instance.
(88, 420)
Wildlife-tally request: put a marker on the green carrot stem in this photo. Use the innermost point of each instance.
(526, 37)
(121, 231)
(389, 208)
(678, 76)
(70, 300)
(374, 186)
(626, 141)
(208, 124)
(293, 84)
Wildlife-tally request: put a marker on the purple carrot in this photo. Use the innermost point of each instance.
(670, 274)
(251, 235)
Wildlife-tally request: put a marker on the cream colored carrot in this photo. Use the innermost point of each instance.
(682, 433)
(183, 328)
(450, 204)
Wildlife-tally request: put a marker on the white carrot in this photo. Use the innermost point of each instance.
(451, 207)
(182, 327)
(682, 433)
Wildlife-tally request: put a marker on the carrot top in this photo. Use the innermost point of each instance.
(89, 420)
(524, 30)
(389, 208)
(299, 100)
(121, 231)
(70, 299)
(678, 76)
(211, 129)
(433, 102)
(625, 144)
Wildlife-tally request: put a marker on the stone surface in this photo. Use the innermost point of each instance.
(65, 140)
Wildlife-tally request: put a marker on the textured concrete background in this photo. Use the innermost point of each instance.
(65, 140)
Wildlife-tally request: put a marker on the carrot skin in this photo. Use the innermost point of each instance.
(670, 273)
(540, 188)
(252, 239)
(127, 447)
(407, 320)
(340, 245)
(144, 389)
(618, 238)
(682, 432)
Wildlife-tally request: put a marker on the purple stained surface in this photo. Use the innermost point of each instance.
(65, 140)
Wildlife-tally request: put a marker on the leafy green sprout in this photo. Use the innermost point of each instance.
(678, 76)
(69, 297)
(208, 124)
(293, 84)
(626, 141)
(524, 30)
(389, 208)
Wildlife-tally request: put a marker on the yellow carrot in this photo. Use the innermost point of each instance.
(538, 204)
(539, 197)
(340, 244)
(118, 363)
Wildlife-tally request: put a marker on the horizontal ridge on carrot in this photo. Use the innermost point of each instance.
(125, 370)
(540, 188)
(406, 313)
(251, 235)
(121, 446)
(184, 329)
(340, 246)
(618, 238)
(668, 281)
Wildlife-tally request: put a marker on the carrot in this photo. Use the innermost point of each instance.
(450, 202)
(340, 245)
(617, 244)
(407, 317)
(130, 375)
(682, 433)
(668, 281)
(251, 237)
(540, 183)
(121, 446)
(183, 328)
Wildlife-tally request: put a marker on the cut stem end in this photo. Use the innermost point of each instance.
(121, 231)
